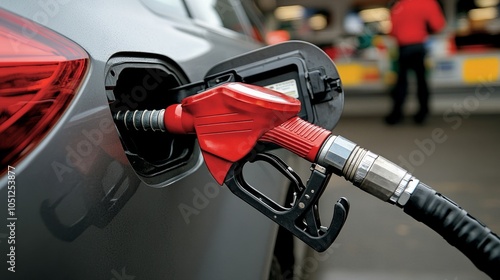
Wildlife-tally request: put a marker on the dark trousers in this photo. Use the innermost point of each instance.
(411, 57)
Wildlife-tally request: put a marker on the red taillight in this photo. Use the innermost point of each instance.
(40, 72)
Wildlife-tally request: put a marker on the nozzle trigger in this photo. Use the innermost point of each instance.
(302, 218)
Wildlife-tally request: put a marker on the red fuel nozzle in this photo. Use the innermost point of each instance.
(229, 120)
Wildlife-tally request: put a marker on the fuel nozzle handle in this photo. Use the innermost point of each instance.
(229, 120)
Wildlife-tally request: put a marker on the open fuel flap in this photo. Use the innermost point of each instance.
(296, 68)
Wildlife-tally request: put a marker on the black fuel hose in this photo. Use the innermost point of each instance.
(391, 183)
(457, 227)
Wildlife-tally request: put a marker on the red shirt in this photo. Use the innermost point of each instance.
(411, 20)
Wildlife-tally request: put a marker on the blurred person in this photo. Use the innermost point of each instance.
(412, 21)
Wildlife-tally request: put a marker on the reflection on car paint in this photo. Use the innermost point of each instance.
(103, 196)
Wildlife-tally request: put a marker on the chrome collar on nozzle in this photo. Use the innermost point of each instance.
(368, 171)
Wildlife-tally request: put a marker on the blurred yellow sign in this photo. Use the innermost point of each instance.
(483, 69)
(356, 73)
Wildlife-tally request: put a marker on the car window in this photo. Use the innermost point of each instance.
(219, 13)
(256, 19)
(168, 8)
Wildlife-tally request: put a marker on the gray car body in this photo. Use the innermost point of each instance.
(148, 237)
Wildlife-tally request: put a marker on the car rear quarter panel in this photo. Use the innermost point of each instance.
(66, 228)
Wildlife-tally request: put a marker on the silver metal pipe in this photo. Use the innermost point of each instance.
(142, 120)
(367, 170)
